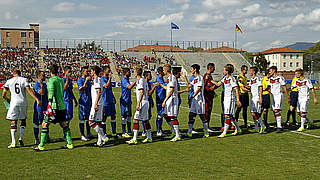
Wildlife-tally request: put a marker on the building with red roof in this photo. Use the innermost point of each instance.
(156, 48)
(224, 49)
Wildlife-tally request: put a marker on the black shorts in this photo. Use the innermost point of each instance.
(60, 116)
(266, 101)
(293, 98)
(244, 99)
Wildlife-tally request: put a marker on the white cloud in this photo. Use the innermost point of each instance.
(65, 23)
(251, 10)
(64, 7)
(311, 18)
(207, 18)
(162, 20)
(8, 16)
(214, 4)
(181, 1)
(257, 23)
(114, 34)
(83, 6)
(315, 28)
(185, 7)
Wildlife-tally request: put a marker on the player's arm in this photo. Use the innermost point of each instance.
(168, 96)
(107, 85)
(207, 87)
(218, 84)
(286, 92)
(315, 100)
(140, 99)
(84, 86)
(183, 91)
(163, 86)
(96, 107)
(30, 92)
(238, 96)
(153, 88)
(186, 80)
(130, 86)
(4, 95)
(260, 94)
(242, 86)
(66, 83)
(195, 94)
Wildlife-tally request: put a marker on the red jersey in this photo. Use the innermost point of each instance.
(208, 94)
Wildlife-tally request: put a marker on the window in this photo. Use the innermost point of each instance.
(23, 34)
(30, 34)
(291, 56)
(23, 44)
(272, 56)
(284, 64)
(297, 64)
(297, 56)
(7, 34)
(30, 45)
(291, 64)
(284, 56)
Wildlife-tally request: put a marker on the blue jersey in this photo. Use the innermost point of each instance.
(44, 98)
(191, 90)
(85, 97)
(150, 97)
(160, 92)
(125, 98)
(107, 94)
(68, 94)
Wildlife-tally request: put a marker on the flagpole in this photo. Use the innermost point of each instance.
(171, 37)
(235, 37)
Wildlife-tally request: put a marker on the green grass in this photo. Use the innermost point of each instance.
(251, 156)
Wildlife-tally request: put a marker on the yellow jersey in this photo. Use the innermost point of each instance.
(293, 81)
(265, 81)
(242, 81)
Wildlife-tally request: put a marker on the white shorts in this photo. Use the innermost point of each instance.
(229, 106)
(143, 113)
(302, 105)
(255, 106)
(276, 101)
(172, 107)
(197, 106)
(96, 115)
(17, 113)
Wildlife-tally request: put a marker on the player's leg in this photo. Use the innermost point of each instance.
(65, 126)
(36, 123)
(135, 132)
(81, 122)
(104, 119)
(245, 115)
(13, 132)
(303, 121)
(23, 125)
(159, 119)
(227, 121)
(143, 129)
(147, 127)
(255, 119)
(129, 120)
(205, 125)
(113, 120)
(175, 124)
(44, 135)
(277, 115)
(124, 125)
(192, 118)
(208, 111)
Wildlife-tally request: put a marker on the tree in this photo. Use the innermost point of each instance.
(195, 49)
(92, 46)
(261, 63)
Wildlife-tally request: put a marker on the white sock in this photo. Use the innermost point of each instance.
(149, 135)
(190, 129)
(99, 139)
(279, 121)
(99, 130)
(226, 127)
(135, 134)
(176, 129)
(303, 121)
(22, 128)
(13, 136)
(205, 128)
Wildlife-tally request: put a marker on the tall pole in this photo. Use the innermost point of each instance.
(235, 38)
(171, 38)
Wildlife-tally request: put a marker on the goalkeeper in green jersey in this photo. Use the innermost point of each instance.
(56, 112)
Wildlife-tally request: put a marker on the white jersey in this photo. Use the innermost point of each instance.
(172, 104)
(198, 82)
(142, 85)
(255, 84)
(172, 83)
(96, 84)
(229, 84)
(303, 86)
(17, 87)
(275, 84)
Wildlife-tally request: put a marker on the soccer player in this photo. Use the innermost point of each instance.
(304, 85)
(265, 97)
(109, 101)
(293, 103)
(231, 91)
(276, 82)
(84, 86)
(244, 96)
(160, 96)
(197, 101)
(41, 92)
(125, 102)
(18, 104)
(170, 103)
(142, 108)
(68, 96)
(96, 112)
(256, 99)
(209, 92)
(56, 112)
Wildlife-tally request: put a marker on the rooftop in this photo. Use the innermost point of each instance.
(222, 49)
(156, 48)
(280, 50)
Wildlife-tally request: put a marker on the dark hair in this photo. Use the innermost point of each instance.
(243, 67)
(255, 69)
(176, 70)
(300, 71)
(210, 65)
(106, 67)
(17, 71)
(125, 71)
(229, 68)
(160, 70)
(139, 70)
(274, 68)
(196, 67)
(83, 68)
(96, 69)
(67, 68)
(54, 69)
(38, 72)
(145, 73)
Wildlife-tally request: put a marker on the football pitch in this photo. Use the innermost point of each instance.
(288, 155)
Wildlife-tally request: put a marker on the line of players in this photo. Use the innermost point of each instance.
(97, 101)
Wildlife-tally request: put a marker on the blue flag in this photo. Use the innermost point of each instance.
(174, 26)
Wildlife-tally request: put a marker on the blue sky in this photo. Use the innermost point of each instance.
(267, 23)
